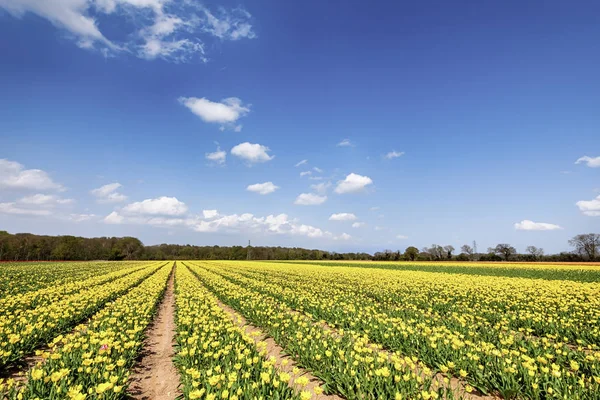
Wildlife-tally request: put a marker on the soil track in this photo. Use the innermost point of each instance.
(154, 377)
(283, 362)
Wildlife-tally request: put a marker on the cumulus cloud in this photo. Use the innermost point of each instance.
(310, 199)
(317, 169)
(342, 217)
(157, 28)
(353, 183)
(114, 218)
(217, 157)
(592, 162)
(208, 214)
(305, 173)
(108, 193)
(345, 143)
(393, 154)
(527, 225)
(13, 175)
(160, 206)
(301, 163)
(226, 112)
(590, 208)
(252, 152)
(262, 188)
(358, 224)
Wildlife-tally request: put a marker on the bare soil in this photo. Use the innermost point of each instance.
(154, 376)
(283, 362)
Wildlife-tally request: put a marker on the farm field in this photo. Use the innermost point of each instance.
(299, 330)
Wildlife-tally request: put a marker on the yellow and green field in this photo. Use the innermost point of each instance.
(302, 330)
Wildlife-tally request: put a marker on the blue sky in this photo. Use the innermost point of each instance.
(428, 122)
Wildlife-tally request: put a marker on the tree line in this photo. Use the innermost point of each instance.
(586, 247)
(30, 247)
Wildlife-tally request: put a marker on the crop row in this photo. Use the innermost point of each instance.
(93, 361)
(347, 362)
(21, 332)
(490, 356)
(21, 277)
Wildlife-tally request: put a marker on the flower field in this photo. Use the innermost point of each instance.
(359, 331)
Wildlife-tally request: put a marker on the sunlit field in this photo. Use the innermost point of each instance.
(304, 330)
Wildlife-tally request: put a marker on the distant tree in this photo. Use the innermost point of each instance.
(467, 250)
(449, 249)
(436, 252)
(536, 252)
(586, 244)
(505, 250)
(411, 253)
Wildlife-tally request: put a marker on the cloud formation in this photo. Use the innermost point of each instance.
(310, 199)
(108, 193)
(592, 162)
(173, 31)
(252, 152)
(353, 183)
(13, 175)
(590, 208)
(394, 154)
(226, 112)
(345, 143)
(342, 217)
(218, 157)
(262, 188)
(527, 225)
(160, 206)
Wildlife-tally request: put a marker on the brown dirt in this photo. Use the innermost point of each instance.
(283, 362)
(154, 377)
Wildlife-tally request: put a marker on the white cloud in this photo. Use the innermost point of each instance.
(342, 217)
(310, 199)
(353, 183)
(375, 208)
(321, 187)
(233, 25)
(208, 214)
(590, 208)
(305, 173)
(46, 200)
(114, 218)
(159, 206)
(394, 154)
(108, 193)
(527, 225)
(217, 157)
(345, 143)
(401, 237)
(13, 208)
(301, 163)
(13, 175)
(379, 228)
(358, 224)
(262, 188)
(319, 170)
(343, 236)
(161, 28)
(592, 162)
(81, 217)
(252, 152)
(316, 178)
(226, 112)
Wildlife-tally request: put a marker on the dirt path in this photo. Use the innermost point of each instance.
(154, 377)
(282, 362)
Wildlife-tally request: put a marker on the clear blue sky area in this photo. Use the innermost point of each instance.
(342, 125)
